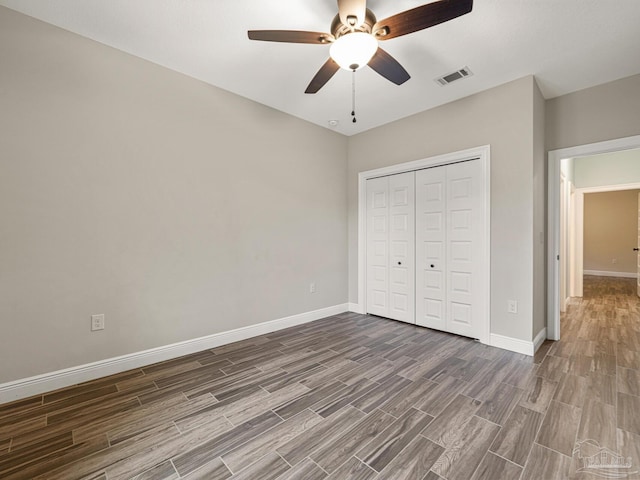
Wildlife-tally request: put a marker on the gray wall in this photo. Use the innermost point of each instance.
(596, 114)
(539, 215)
(608, 169)
(502, 117)
(177, 209)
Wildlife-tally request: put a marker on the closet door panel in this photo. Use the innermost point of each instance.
(378, 246)
(402, 247)
(464, 247)
(431, 307)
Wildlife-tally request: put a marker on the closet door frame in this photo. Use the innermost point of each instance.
(483, 154)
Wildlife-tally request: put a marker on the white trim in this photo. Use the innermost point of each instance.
(512, 344)
(38, 384)
(603, 273)
(482, 153)
(539, 339)
(355, 308)
(555, 156)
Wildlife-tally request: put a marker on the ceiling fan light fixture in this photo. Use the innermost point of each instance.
(353, 51)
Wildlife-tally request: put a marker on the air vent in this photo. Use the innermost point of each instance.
(452, 77)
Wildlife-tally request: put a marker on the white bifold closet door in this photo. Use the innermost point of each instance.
(391, 246)
(450, 248)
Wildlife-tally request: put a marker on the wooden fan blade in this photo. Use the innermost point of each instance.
(325, 73)
(420, 18)
(352, 8)
(290, 36)
(388, 67)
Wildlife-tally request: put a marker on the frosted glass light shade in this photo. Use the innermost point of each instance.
(353, 50)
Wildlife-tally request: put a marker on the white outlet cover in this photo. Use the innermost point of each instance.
(97, 322)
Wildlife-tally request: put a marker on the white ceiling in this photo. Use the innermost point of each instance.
(567, 44)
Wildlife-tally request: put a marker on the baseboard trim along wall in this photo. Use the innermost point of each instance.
(38, 384)
(512, 344)
(604, 273)
(539, 339)
(355, 308)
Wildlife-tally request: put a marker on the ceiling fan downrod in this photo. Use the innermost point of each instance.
(353, 96)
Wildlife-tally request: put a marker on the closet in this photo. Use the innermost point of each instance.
(426, 247)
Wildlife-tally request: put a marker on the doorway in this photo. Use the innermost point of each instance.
(559, 260)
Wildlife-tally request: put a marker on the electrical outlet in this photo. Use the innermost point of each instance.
(512, 306)
(614, 260)
(97, 322)
(312, 287)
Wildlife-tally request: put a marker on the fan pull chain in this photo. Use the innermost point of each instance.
(353, 96)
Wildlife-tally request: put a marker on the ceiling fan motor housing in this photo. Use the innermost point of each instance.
(339, 29)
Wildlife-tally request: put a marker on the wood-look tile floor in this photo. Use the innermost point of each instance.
(351, 397)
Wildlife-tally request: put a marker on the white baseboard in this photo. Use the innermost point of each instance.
(47, 382)
(539, 339)
(355, 308)
(604, 273)
(512, 344)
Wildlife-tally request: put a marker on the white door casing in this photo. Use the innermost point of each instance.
(638, 251)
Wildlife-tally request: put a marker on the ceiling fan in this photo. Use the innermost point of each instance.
(355, 33)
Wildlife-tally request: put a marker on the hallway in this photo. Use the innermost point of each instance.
(597, 367)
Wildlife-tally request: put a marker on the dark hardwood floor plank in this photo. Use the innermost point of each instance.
(332, 403)
(517, 435)
(197, 457)
(214, 470)
(273, 401)
(84, 389)
(628, 381)
(538, 394)
(436, 400)
(271, 440)
(125, 418)
(387, 445)
(377, 396)
(407, 398)
(162, 471)
(305, 470)
(463, 455)
(546, 464)
(559, 427)
(572, 390)
(498, 402)
(339, 449)
(628, 417)
(601, 388)
(310, 398)
(494, 467)
(61, 458)
(353, 469)
(295, 450)
(444, 429)
(102, 459)
(269, 467)
(18, 406)
(413, 462)
(629, 447)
